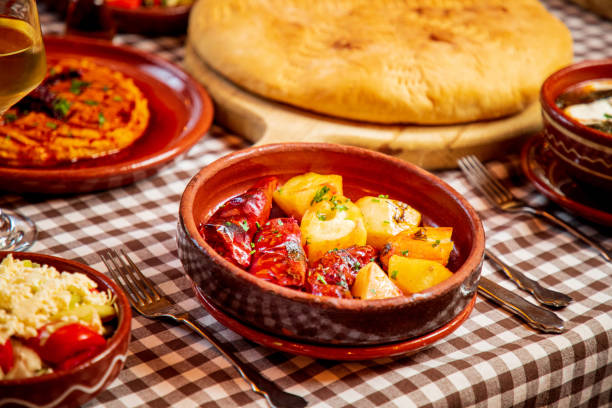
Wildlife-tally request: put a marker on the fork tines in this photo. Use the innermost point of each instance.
(127, 275)
(480, 177)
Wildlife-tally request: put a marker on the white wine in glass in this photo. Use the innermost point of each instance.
(22, 68)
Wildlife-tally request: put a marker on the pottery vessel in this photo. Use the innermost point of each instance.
(586, 153)
(302, 316)
(74, 387)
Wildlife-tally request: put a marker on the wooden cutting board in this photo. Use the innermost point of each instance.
(432, 147)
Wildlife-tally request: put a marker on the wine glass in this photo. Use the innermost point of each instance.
(22, 68)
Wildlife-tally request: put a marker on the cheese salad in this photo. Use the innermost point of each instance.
(32, 296)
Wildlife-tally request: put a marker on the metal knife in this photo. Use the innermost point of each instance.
(543, 295)
(537, 317)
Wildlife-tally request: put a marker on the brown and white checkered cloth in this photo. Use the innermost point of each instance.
(492, 360)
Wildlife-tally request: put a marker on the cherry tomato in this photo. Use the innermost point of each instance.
(65, 342)
(335, 272)
(7, 359)
(231, 228)
(278, 255)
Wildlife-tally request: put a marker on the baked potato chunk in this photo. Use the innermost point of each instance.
(331, 224)
(425, 243)
(373, 283)
(413, 275)
(385, 218)
(300, 192)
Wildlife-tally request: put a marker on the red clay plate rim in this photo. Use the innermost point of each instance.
(201, 115)
(154, 11)
(543, 185)
(341, 353)
(123, 327)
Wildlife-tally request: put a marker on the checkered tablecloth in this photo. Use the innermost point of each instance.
(492, 360)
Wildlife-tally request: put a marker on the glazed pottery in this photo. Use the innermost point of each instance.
(181, 113)
(74, 387)
(293, 314)
(586, 153)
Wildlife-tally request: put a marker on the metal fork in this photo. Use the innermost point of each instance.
(149, 302)
(503, 199)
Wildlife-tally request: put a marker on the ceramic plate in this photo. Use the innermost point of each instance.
(181, 113)
(550, 178)
(402, 348)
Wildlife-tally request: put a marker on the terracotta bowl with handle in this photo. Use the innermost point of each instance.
(320, 319)
(585, 153)
(73, 387)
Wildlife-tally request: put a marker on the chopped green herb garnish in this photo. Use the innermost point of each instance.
(404, 253)
(280, 190)
(320, 194)
(101, 119)
(373, 291)
(252, 252)
(357, 265)
(278, 235)
(51, 125)
(61, 106)
(90, 102)
(321, 217)
(607, 116)
(321, 279)
(373, 259)
(252, 245)
(77, 86)
(228, 224)
(386, 222)
(257, 225)
(383, 196)
(376, 200)
(435, 244)
(244, 225)
(280, 222)
(10, 117)
(117, 98)
(341, 207)
(393, 274)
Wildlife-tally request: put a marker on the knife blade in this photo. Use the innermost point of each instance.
(537, 317)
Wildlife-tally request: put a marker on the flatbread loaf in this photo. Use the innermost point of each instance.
(385, 61)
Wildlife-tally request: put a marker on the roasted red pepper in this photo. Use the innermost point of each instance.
(7, 359)
(335, 272)
(129, 4)
(231, 228)
(66, 342)
(278, 255)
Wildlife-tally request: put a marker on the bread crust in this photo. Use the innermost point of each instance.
(385, 61)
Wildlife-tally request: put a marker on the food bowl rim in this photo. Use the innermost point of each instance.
(549, 106)
(473, 259)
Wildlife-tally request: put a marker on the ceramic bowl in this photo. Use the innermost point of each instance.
(586, 153)
(305, 317)
(152, 20)
(74, 387)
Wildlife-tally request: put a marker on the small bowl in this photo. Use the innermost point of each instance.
(305, 317)
(74, 387)
(586, 153)
(153, 21)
